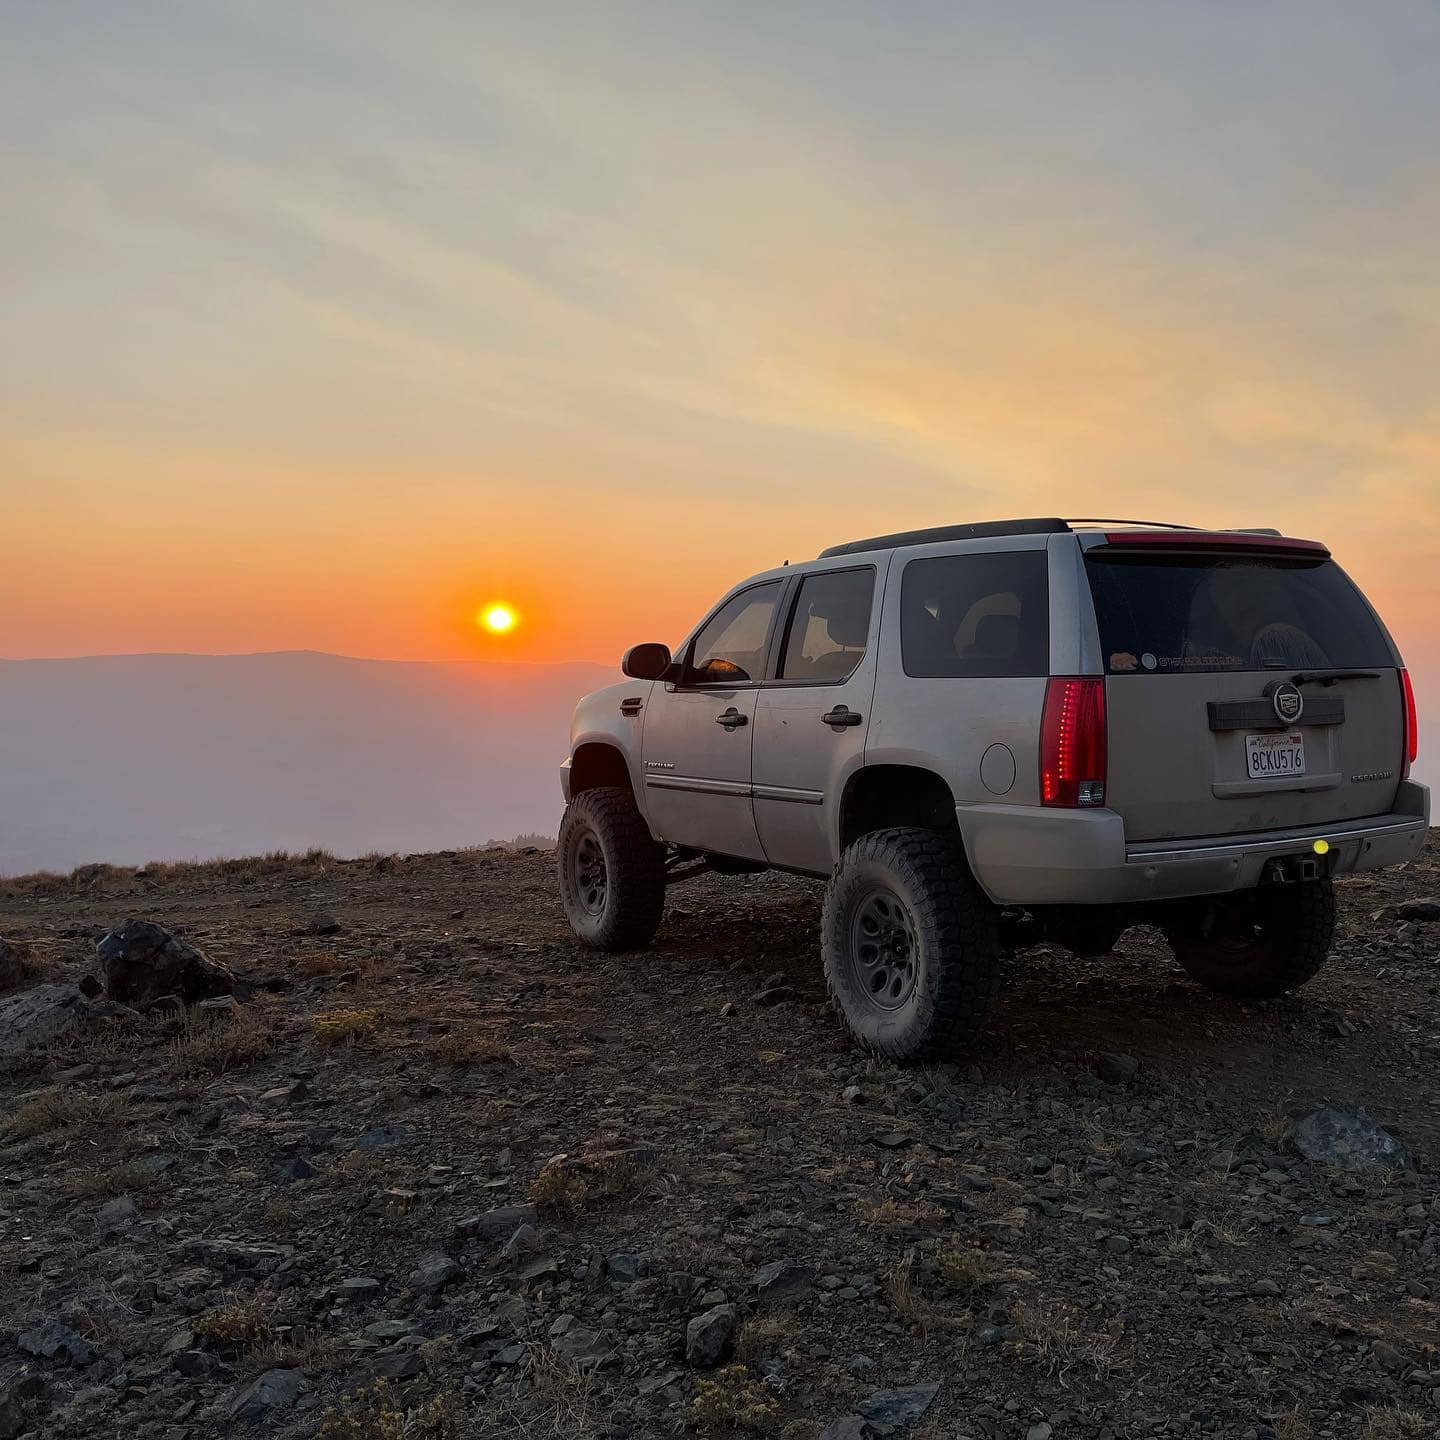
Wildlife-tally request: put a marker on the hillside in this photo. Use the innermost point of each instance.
(1097, 1227)
(135, 757)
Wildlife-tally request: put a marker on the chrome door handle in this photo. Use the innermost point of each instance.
(841, 716)
(731, 719)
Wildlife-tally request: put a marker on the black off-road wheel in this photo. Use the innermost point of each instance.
(912, 951)
(1258, 943)
(612, 874)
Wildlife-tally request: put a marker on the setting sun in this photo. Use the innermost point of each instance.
(497, 619)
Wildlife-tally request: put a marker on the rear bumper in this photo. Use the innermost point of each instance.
(1024, 855)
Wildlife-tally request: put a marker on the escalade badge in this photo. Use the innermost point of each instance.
(1289, 703)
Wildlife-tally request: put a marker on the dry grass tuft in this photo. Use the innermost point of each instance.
(564, 1394)
(1294, 1426)
(908, 1300)
(472, 1043)
(1054, 1336)
(65, 1110)
(891, 1214)
(732, 1399)
(591, 1180)
(967, 1271)
(765, 1336)
(240, 1324)
(378, 1413)
(343, 1027)
(557, 1187)
(209, 1044)
(1395, 1425)
(318, 962)
(132, 1177)
(34, 962)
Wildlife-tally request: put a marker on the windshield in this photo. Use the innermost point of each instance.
(1187, 613)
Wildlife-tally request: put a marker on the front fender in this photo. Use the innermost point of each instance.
(598, 720)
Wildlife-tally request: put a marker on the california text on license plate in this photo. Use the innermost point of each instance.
(1268, 757)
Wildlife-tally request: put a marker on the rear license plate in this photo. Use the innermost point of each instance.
(1272, 757)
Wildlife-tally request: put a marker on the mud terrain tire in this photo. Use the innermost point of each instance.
(912, 952)
(1260, 943)
(612, 874)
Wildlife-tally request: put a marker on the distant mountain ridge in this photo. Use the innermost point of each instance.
(127, 758)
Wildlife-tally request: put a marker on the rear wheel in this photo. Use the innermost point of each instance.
(1257, 943)
(612, 874)
(912, 954)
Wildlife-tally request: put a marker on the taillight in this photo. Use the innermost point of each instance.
(1412, 726)
(1072, 742)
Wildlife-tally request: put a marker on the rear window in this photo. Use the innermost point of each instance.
(976, 615)
(1184, 614)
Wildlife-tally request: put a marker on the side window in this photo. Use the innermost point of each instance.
(731, 647)
(976, 615)
(828, 626)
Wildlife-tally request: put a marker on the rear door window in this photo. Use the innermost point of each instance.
(1207, 613)
(828, 626)
(976, 615)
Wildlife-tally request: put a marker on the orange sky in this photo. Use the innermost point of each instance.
(323, 329)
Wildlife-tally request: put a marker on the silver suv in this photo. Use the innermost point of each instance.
(986, 735)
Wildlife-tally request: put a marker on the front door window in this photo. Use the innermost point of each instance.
(730, 650)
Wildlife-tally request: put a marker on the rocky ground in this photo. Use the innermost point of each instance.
(334, 1209)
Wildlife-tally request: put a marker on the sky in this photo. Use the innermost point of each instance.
(327, 324)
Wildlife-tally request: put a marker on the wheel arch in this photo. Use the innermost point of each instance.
(599, 762)
(878, 797)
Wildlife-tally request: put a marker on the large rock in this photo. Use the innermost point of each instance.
(903, 1406)
(56, 1341)
(585, 1349)
(707, 1336)
(496, 1225)
(1349, 1139)
(143, 962)
(435, 1271)
(39, 1015)
(274, 1390)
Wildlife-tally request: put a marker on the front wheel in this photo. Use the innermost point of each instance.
(1259, 943)
(912, 952)
(611, 872)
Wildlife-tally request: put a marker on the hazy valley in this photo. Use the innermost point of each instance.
(140, 757)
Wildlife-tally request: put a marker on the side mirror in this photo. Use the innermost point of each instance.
(647, 662)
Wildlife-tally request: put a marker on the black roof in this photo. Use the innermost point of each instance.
(980, 530)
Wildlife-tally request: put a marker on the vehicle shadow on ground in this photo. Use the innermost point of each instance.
(1062, 1012)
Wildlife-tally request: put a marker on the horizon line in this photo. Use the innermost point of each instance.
(273, 654)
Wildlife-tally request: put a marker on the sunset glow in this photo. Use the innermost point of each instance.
(613, 311)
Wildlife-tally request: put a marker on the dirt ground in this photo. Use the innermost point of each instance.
(757, 1231)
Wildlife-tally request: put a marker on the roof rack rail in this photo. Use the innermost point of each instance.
(979, 530)
(1148, 524)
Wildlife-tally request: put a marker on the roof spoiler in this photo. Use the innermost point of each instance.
(1212, 541)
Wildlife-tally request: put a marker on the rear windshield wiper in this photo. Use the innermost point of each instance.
(1329, 677)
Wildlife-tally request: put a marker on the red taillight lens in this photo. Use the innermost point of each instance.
(1072, 743)
(1412, 724)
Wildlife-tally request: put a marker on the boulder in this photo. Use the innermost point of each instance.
(39, 1015)
(903, 1406)
(497, 1224)
(585, 1349)
(435, 1271)
(1349, 1139)
(708, 1336)
(274, 1390)
(56, 1341)
(142, 962)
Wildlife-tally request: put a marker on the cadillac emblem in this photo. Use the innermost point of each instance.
(1289, 703)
